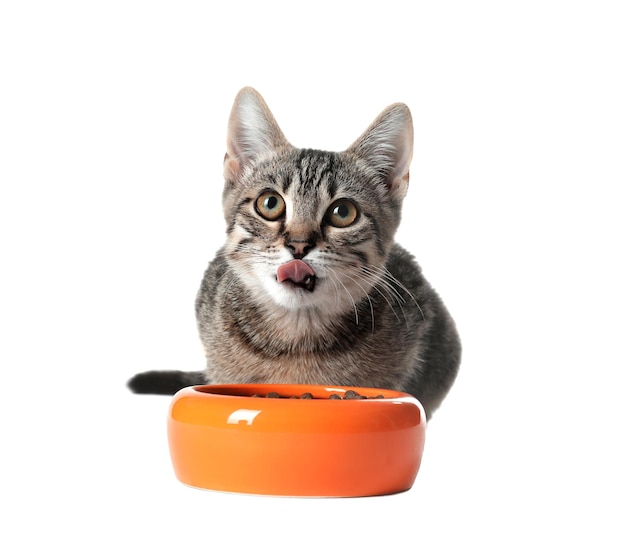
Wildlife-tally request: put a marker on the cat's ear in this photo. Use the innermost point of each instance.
(252, 132)
(387, 146)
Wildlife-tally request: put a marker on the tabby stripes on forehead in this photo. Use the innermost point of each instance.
(316, 170)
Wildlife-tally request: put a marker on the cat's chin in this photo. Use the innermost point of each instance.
(295, 297)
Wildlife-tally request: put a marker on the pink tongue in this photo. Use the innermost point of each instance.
(296, 271)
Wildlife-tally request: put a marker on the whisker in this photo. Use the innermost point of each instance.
(396, 281)
(374, 281)
(369, 299)
(380, 279)
(356, 312)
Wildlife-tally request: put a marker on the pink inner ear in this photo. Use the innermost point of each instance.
(231, 168)
(296, 271)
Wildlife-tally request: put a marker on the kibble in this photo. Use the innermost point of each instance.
(348, 395)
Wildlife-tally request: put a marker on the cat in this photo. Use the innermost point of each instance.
(310, 286)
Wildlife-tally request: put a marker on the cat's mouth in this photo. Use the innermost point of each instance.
(298, 273)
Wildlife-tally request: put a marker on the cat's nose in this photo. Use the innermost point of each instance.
(299, 249)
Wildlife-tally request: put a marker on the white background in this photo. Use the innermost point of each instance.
(112, 131)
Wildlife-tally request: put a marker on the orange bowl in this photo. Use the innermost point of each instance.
(234, 438)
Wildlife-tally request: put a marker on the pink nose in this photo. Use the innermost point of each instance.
(299, 248)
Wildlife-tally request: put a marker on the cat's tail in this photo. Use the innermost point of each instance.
(165, 382)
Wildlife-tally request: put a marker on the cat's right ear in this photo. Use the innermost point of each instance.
(387, 145)
(252, 132)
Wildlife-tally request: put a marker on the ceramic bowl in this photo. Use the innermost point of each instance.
(235, 438)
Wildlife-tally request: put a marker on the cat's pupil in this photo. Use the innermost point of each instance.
(271, 202)
(342, 211)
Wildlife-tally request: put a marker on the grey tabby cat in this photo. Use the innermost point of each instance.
(310, 286)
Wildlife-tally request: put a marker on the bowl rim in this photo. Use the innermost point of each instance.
(227, 405)
(248, 389)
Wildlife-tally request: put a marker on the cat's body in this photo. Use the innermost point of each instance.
(310, 286)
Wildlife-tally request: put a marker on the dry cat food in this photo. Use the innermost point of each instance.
(350, 394)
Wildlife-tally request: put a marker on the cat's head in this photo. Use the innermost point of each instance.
(308, 228)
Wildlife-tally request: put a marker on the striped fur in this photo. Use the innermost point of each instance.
(371, 319)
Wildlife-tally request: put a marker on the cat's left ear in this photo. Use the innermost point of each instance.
(252, 132)
(387, 145)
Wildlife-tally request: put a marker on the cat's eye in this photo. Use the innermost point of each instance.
(342, 213)
(270, 205)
